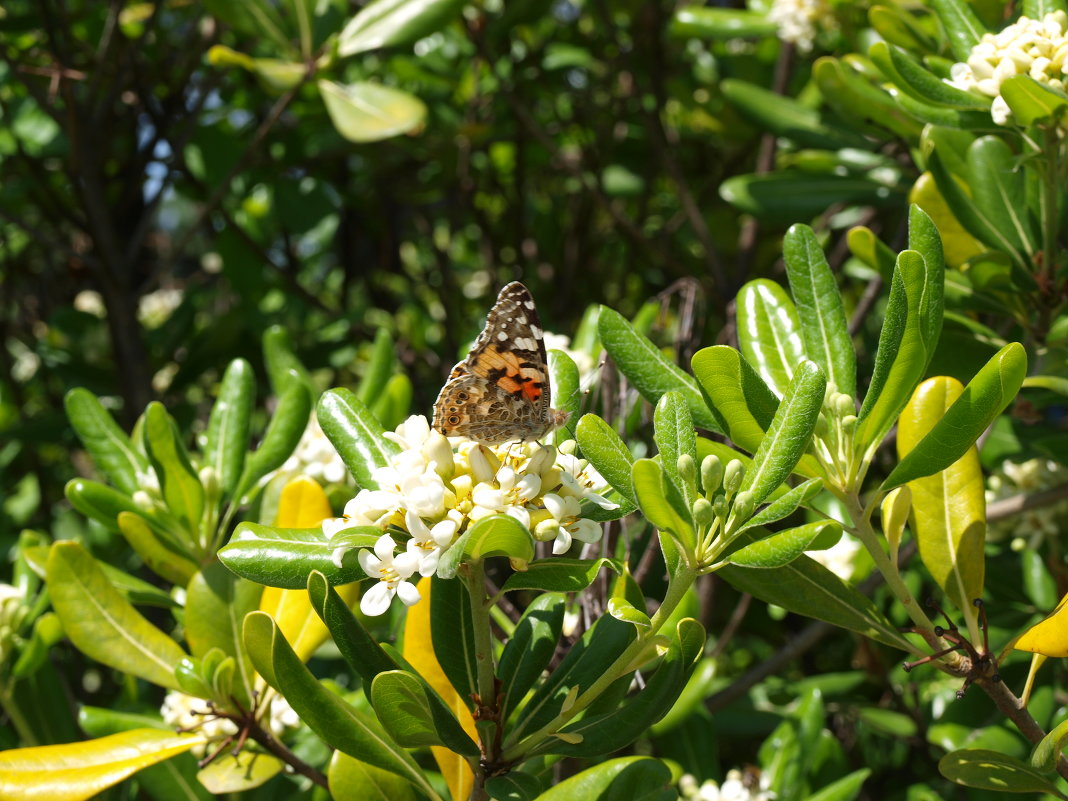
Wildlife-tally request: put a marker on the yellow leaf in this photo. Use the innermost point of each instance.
(303, 504)
(1048, 636)
(76, 771)
(420, 654)
(949, 508)
(958, 244)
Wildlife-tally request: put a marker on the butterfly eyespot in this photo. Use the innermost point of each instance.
(462, 396)
(453, 419)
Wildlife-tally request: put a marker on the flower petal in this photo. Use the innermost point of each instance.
(408, 593)
(376, 600)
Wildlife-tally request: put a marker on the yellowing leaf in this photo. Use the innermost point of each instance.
(303, 504)
(420, 653)
(958, 244)
(948, 508)
(76, 771)
(1049, 636)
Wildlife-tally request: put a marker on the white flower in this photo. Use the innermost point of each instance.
(734, 788)
(507, 494)
(282, 716)
(566, 524)
(428, 543)
(392, 573)
(155, 308)
(581, 479)
(189, 713)
(799, 21)
(91, 302)
(1038, 48)
(315, 457)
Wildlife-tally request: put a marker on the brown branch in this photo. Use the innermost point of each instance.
(1007, 507)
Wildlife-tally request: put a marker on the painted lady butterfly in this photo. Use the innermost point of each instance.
(500, 392)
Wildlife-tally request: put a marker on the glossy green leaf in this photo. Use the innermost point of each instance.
(327, 714)
(161, 558)
(898, 26)
(866, 246)
(514, 786)
(947, 116)
(924, 238)
(949, 506)
(530, 649)
(357, 646)
(560, 574)
(985, 397)
(287, 426)
(404, 707)
(808, 588)
(993, 770)
(567, 392)
(496, 535)
(216, 604)
(378, 369)
(1049, 748)
(789, 433)
(111, 449)
(622, 609)
(782, 547)
(961, 25)
(912, 78)
(280, 360)
(351, 778)
(258, 18)
(999, 194)
(785, 504)
(769, 332)
(674, 436)
(137, 591)
(738, 397)
(393, 406)
(1032, 102)
(862, 103)
(662, 503)
(606, 451)
(102, 624)
(453, 635)
(846, 788)
(1053, 383)
(285, 557)
(228, 426)
(355, 434)
(368, 112)
(390, 23)
(77, 771)
(646, 367)
(786, 195)
(610, 731)
(1037, 9)
(824, 329)
(719, 23)
(786, 117)
(98, 502)
(632, 778)
(179, 484)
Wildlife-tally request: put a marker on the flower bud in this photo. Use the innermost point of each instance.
(743, 505)
(849, 423)
(711, 474)
(822, 428)
(703, 513)
(733, 475)
(687, 469)
(143, 501)
(719, 506)
(843, 404)
(209, 479)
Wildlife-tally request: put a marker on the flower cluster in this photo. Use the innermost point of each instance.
(189, 713)
(799, 21)
(13, 612)
(1030, 527)
(735, 787)
(1038, 48)
(315, 457)
(436, 487)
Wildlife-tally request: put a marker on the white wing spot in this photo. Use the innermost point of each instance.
(502, 335)
(529, 304)
(526, 343)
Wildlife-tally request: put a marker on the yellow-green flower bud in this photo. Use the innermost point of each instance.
(849, 423)
(711, 474)
(719, 506)
(703, 513)
(743, 505)
(733, 475)
(143, 501)
(822, 428)
(687, 469)
(843, 404)
(209, 480)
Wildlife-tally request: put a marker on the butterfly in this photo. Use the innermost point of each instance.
(500, 392)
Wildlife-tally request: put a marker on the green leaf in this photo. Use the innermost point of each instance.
(785, 504)
(786, 195)
(864, 105)
(1032, 102)
(110, 448)
(609, 455)
(819, 306)
(662, 503)
(378, 368)
(179, 483)
(280, 360)
(1037, 9)
(355, 434)
(567, 392)
(453, 635)
(216, 604)
(674, 436)
(918, 82)
(234, 774)
(514, 786)
(719, 23)
(741, 401)
(228, 426)
(769, 334)
(985, 397)
(560, 574)
(1049, 748)
(651, 373)
(633, 778)
(99, 502)
(789, 434)
(808, 588)
(157, 553)
(258, 18)
(992, 770)
(610, 731)
(782, 547)
(102, 624)
(327, 714)
(949, 506)
(287, 426)
(925, 240)
(946, 116)
(351, 778)
(285, 557)
(391, 408)
(496, 535)
(390, 23)
(999, 193)
(530, 649)
(844, 789)
(898, 26)
(866, 246)
(404, 707)
(368, 112)
(962, 26)
(622, 609)
(78, 771)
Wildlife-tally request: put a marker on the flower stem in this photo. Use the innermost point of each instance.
(480, 623)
